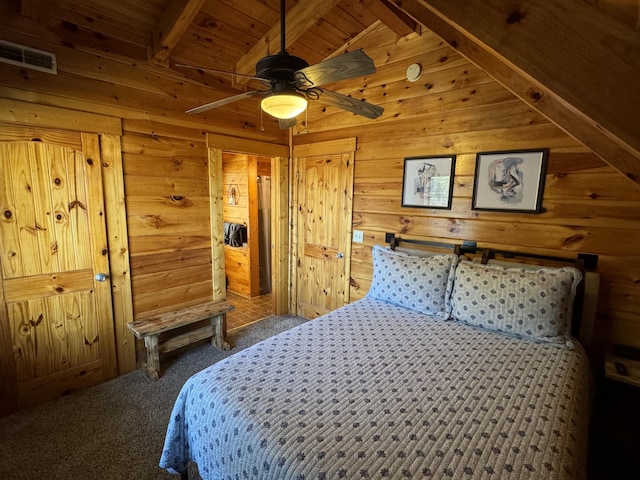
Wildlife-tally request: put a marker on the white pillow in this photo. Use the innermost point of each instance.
(422, 284)
(527, 303)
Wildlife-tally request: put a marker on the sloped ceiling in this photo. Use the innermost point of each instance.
(577, 61)
(568, 60)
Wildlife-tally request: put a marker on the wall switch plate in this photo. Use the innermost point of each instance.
(358, 236)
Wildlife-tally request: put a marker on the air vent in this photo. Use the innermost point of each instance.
(27, 57)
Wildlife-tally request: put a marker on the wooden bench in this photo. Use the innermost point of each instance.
(149, 330)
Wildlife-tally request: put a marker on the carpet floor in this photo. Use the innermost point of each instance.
(114, 430)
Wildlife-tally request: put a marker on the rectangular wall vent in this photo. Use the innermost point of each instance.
(27, 57)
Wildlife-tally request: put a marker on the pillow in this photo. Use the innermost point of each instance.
(422, 284)
(528, 303)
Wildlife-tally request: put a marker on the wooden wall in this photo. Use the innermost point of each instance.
(454, 108)
(167, 200)
(164, 156)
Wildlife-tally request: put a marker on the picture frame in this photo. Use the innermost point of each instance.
(511, 181)
(427, 181)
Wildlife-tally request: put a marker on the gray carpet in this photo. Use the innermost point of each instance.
(114, 430)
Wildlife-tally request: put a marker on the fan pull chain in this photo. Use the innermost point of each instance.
(261, 122)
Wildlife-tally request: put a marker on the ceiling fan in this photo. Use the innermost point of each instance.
(291, 82)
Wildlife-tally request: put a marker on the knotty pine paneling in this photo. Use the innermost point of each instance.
(455, 108)
(164, 158)
(12, 133)
(167, 261)
(107, 83)
(167, 200)
(164, 150)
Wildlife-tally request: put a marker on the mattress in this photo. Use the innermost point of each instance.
(374, 390)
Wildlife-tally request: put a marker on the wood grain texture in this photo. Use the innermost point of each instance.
(172, 25)
(99, 251)
(298, 20)
(324, 174)
(172, 298)
(280, 234)
(156, 324)
(587, 206)
(151, 328)
(169, 208)
(118, 239)
(217, 224)
(253, 231)
(59, 319)
(455, 107)
(15, 132)
(44, 116)
(551, 60)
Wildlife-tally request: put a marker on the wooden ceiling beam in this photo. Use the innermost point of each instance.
(394, 18)
(576, 66)
(298, 20)
(171, 27)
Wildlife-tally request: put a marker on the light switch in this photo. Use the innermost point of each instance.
(358, 236)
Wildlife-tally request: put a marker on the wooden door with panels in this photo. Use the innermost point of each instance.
(323, 198)
(56, 319)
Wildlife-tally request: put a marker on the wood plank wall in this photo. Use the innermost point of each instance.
(164, 157)
(454, 108)
(167, 199)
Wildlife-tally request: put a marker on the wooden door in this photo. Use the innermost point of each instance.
(323, 199)
(56, 317)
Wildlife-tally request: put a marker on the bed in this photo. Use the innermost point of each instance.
(408, 382)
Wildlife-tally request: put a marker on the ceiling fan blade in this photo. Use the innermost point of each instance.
(352, 64)
(225, 101)
(287, 123)
(353, 105)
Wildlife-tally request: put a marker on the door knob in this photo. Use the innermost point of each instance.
(340, 255)
(101, 277)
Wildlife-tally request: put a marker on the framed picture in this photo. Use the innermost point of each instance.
(510, 181)
(428, 181)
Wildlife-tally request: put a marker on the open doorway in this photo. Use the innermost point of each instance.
(246, 183)
(227, 192)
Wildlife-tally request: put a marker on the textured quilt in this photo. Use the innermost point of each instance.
(375, 391)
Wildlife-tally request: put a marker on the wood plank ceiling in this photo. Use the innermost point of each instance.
(231, 35)
(228, 35)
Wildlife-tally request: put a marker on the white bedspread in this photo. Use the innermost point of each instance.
(374, 391)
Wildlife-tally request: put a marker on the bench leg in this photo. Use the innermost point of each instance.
(152, 365)
(219, 327)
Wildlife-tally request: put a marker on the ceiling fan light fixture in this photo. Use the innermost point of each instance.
(284, 105)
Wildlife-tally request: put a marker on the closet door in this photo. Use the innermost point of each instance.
(56, 321)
